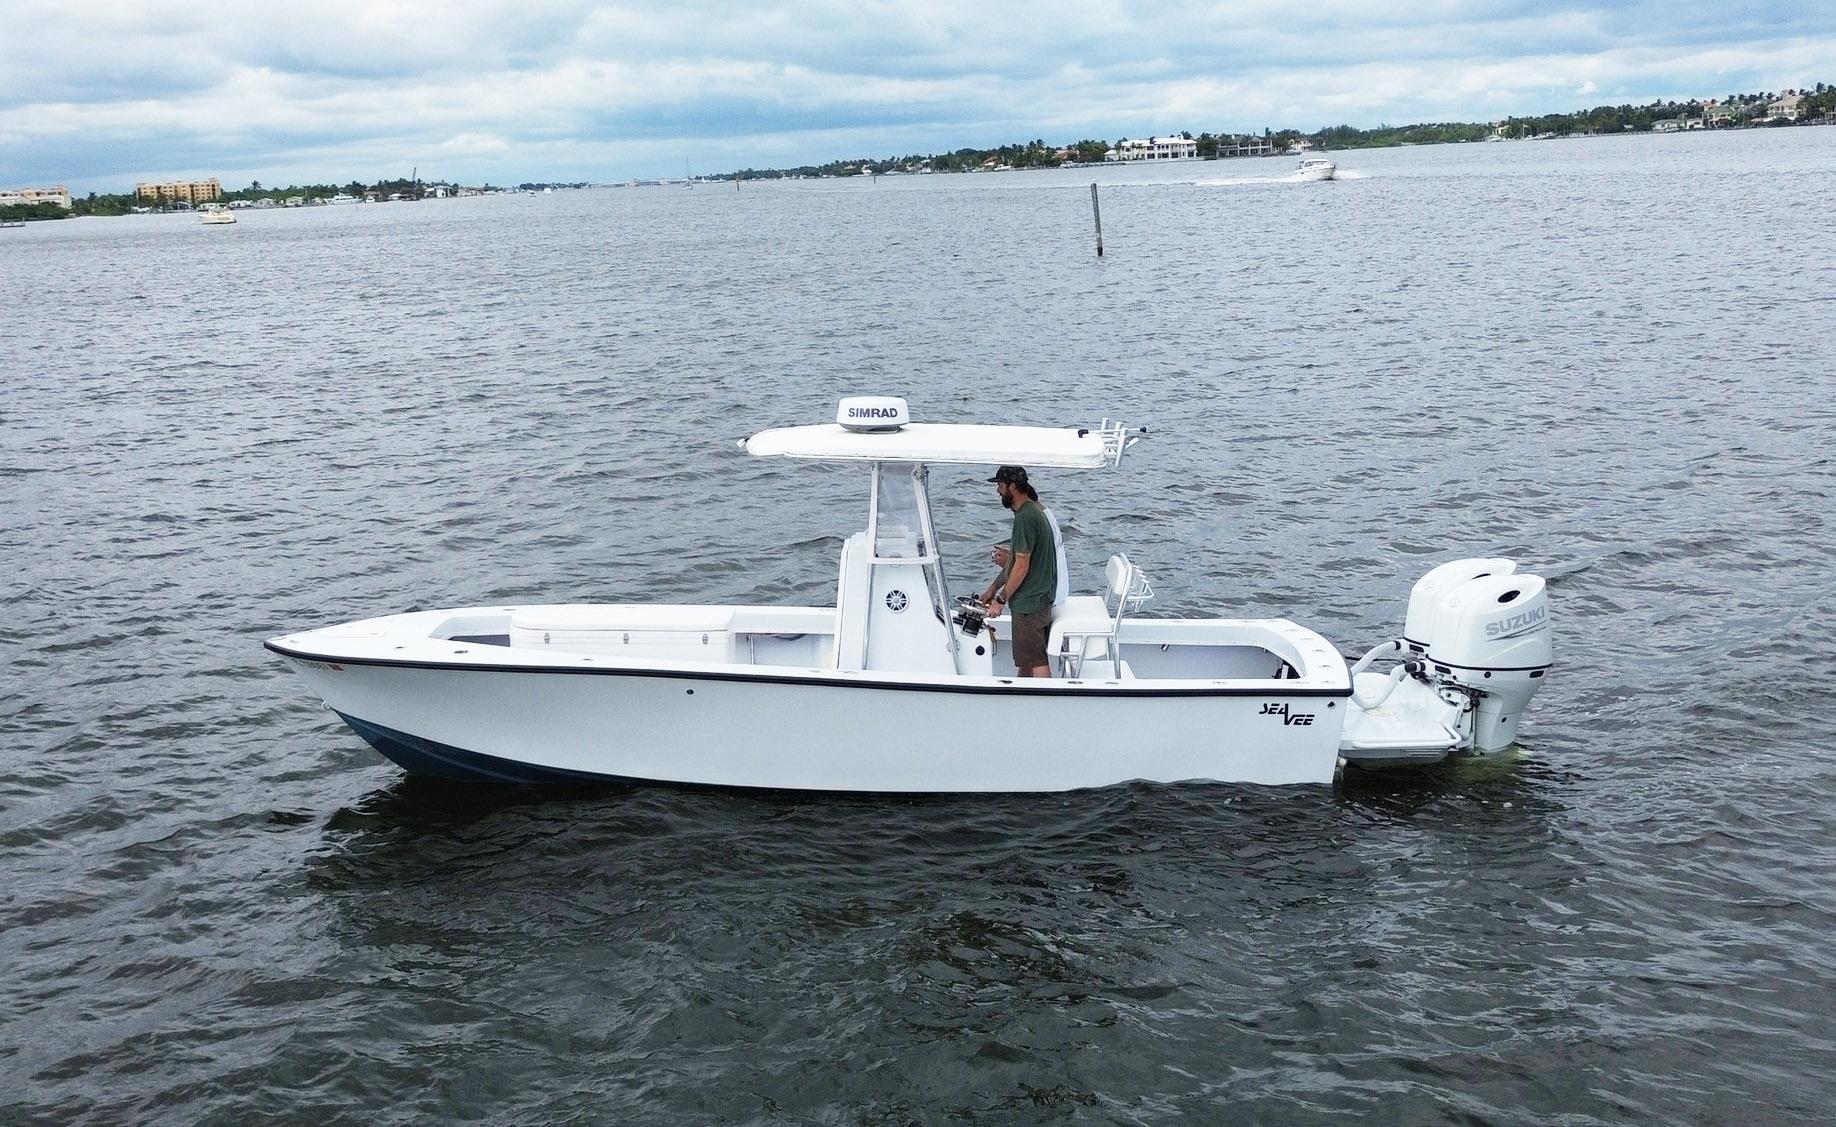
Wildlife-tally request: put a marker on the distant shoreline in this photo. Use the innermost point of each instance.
(1792, 109)
(800, 174)
(1737, 111)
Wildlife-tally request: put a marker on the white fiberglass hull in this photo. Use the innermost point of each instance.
(513, 717)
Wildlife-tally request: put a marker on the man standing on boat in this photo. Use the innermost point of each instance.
(1003, 555)
(1032, 576)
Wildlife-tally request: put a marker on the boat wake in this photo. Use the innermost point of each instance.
(1224, 181)
(1290, 178)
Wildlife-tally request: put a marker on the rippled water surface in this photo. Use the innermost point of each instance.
(1611, 359)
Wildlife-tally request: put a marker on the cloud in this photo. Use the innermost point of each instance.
(472, 89)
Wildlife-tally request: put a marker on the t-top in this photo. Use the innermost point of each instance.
(1033, 535)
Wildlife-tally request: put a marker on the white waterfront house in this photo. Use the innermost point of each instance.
(1786, 108)
(1154, 148)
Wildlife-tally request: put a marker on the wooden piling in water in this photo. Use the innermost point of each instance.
(1096, 213)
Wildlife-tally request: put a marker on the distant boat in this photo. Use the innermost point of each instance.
(344, 197)
(216, 213)
(1316, 168)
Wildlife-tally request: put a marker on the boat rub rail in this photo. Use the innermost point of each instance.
(847, 679)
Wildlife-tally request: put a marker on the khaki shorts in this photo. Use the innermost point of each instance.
(1030, 632)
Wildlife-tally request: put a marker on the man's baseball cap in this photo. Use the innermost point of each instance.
(1012, 475)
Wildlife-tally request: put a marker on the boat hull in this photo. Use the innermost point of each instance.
(708, 728)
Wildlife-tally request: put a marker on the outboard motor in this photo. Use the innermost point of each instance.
(1425, 598)
(1491, 636)
(1474, 650)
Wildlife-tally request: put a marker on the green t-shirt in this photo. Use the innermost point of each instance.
(1033, 534)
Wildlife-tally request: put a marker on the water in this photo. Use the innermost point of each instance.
(1609, 358)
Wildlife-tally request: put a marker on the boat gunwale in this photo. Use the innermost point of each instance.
(1053, 686)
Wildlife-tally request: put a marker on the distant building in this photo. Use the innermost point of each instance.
(1245, 147)
(1154, 148)
(1786, 107)
(181, 191)
(15, 197)
(1676, 124)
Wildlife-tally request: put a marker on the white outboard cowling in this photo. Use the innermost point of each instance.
(1425, 598)
(1491, 635)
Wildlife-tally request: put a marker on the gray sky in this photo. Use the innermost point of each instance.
(99, 95)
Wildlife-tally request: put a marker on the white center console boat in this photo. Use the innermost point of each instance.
(898, 688)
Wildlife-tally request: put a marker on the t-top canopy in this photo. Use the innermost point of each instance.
(1082, 448)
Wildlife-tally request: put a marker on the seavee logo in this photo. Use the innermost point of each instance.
(872, 413)
(1524, 623)
(1298, 719)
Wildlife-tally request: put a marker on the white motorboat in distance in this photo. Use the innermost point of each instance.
(898, 688)
(216, 213)
(1316, 168)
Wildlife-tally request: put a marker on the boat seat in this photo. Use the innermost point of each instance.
(1081, 614)
(1087, 629)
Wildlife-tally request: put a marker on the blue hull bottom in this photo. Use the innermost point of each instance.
(420, 756)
